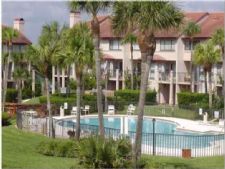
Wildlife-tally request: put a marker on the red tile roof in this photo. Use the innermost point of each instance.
(208, 22)
(21, 39)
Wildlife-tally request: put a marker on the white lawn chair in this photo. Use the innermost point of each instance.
(86, 109)
(130, 110)
(111, 109)
(74, 111)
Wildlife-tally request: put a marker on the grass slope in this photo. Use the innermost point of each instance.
(18, 150)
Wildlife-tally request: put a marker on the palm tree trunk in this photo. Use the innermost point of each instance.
(49, 109)
(95, 29)
(210, 89)
(106, 89)
(78, 107)
(132, 66)
(68, 81)
(19, 91)
(145, 67)
(6, 72)
(58, 80)
(191, 69)
(205, 78)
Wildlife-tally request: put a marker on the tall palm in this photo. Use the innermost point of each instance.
(42, 54)
(126, 28)
(93, 8)
(79, 50)
(190, 30)
(206, 55)
(163, 17)
(20, 74)
(8, 34)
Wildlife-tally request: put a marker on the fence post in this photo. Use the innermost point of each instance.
(153, 137)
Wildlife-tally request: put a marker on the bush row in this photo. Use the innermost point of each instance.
(90, 100)
(5, 119)
(194, 100)
(59, 148)
(11, 93)
(133, 96)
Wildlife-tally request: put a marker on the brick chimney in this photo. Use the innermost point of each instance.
(74, 18)
(18, 24)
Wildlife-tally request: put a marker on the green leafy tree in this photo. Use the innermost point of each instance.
(42, 54)
(206, 55)
(93, 8)
(8, 34)
(163, 17)
(190, 30)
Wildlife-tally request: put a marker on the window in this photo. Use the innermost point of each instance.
(18, 48)
(136, 46)
(114, 44)
(187, 44)
(167, 45)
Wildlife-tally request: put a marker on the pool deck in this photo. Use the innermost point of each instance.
(182, 124)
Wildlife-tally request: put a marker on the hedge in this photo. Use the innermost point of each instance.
(5, 119)
(58, 148)
(132, 96)
(192, 100)
(90, 100)
(11, 95)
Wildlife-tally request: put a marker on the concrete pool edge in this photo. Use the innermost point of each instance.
(181, 124)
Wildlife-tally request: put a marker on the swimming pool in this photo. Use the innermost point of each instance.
(167, 139)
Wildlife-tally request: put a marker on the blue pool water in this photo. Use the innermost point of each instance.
(166, 133)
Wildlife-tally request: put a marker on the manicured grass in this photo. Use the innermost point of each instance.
(19, 151)
(180, 163)
(167, 111)
(34, 100)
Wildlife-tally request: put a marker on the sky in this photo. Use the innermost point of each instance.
(38, 13)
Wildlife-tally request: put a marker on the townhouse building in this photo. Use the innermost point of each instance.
(170, 67)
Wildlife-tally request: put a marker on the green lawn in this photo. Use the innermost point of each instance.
(34, 100)
(18, 150)
(167, 111)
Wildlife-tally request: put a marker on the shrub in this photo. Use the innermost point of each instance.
(118, 102)
(192, 100)
(132, 96)
(95, 152)
(58, 99)
(11, 95)
(58, 148)
(5, 119)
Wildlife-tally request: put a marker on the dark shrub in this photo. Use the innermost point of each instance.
(132, 96)
(11, 95)
(71, 133)
(5, 119)
(95, 152)
(118, 102)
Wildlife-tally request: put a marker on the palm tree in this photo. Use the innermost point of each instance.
(163, 17)
(48, 47)
(126, 28)
(20, 73)
(190, 30)
(8, 34)
(93, 8)
(206, 55)
(79, 50)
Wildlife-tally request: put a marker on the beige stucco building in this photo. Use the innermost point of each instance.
(170, 68)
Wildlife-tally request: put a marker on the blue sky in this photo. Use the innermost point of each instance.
(37, 13)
